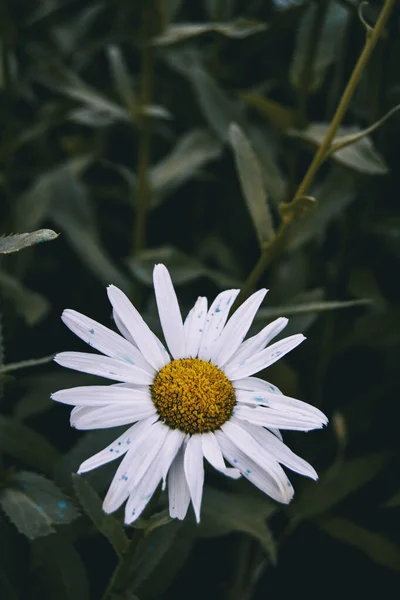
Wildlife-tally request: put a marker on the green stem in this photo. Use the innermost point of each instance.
(144, 144)
(276, 245)
(122, 572)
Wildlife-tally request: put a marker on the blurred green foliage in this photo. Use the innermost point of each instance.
(175, 131)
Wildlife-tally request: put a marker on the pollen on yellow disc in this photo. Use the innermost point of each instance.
(193, 395)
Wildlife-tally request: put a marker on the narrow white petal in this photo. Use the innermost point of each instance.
(115, 450)
(178, 491)
(194, 326)
(110, 368)
(265, 358)
(280, 451)
(268, 417)
(138, 329)
(122, 329)
(255, 384)
(247, 444)
(212, 453)
(140, 495)
(148, 451)
(100, 395)
(236, 329)
(103, 339)
(194, 472)
(104, 417)
(170, 449)
(121, 484)
(258, 476)
(169, 312)
(215, 321)
(282, 405)
(276, 433)
(258, 342)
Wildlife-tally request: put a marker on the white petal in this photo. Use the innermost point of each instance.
(253, 472)
(194, 472)
(148, 451)
(268, 417)
(282, 405)
(236, 329)
(122, 329)
(138, 329)
(115, 450)
(258, 342)
(280, 451)
(104, 417)
(276, 433)
(100, 395)
(247, 444)
(212, 453)
(255, 384)
(215, 321)
(265, 358)
(141, 494)
(122, 482)
(194, 326)
(96, 364)
(103, 339)
(169, 312)
(178, 491)
(170, 449)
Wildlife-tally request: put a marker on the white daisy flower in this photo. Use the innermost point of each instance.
(199, 400)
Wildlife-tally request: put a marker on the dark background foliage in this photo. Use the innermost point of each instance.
(94, 120)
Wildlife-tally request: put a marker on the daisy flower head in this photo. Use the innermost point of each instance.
(197, 400)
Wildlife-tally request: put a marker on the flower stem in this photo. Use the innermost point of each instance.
(277, 244)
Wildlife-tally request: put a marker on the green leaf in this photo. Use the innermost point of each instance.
(108, 525)
(278, 115)
(252, 184)
(376, 546)
(24, 514)
(14, 243)
(225, 512)
(267, 150)
(121, 76)
(26, 445)
(273, 312)
(335, 485)
(1, 343)
(183, 268)
(360, 155)
(238, 29)
(393, 502)
(37, 398)
(24, 364)
(149, 552)
(30, 305)
(333, 194)
(71, 209)
(60, 569)
(330, 37)
(34, 504)
(191, 152)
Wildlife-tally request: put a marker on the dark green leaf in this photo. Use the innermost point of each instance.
(60, 568)
(360, 155)
(30, 305)
(28, 518)
(226, 512)
(108, 525)
(238, 29)
(271, 313)
(149, 552)
(329, 40)
(393, 502)
(252, 184)
(121, 76)
(13, 243)
(26, 445)
(335, 485)
(379, 548)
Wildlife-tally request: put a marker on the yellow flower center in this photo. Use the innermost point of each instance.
(193, 395)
